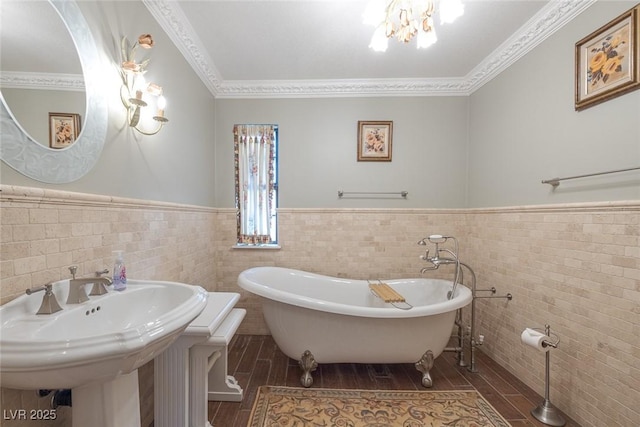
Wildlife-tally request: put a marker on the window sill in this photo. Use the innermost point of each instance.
(261, 247)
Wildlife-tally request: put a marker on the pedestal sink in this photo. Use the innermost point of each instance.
(96, 347)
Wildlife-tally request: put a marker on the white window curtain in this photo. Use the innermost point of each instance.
(254, 182)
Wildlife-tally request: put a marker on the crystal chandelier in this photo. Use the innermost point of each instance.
(407, 18)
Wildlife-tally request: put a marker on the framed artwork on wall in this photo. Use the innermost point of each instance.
(607, 61)
(374, 141)
(64, 129)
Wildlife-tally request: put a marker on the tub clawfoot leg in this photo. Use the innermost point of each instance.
(308, 365)
(424, 365)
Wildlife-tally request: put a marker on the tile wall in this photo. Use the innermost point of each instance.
(576, 267)
(43, 232)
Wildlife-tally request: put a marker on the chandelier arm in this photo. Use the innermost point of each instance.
(150, 133)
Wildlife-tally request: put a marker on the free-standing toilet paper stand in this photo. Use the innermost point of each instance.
(546, 412)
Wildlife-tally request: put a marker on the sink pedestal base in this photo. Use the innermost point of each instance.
(114, 403)
(194, 369)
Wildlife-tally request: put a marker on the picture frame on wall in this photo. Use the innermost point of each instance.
(375, 139)
(64, 129)
(607, 61)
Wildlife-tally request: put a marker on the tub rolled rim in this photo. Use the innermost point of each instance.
(246, 280)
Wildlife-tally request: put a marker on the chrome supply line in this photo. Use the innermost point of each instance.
(507, 296)
(555, 182)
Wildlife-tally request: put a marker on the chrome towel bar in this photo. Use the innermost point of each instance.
(554, 182)
(403, 194)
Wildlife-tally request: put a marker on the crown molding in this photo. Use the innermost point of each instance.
(173, 21)
(553, 16)
(42, 81)
(342, 88)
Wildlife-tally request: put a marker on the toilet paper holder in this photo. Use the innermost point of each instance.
(545, 412)
(548, 333)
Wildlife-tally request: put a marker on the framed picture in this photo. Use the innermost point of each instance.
(64, 129)
(607, 61)
(374, 141)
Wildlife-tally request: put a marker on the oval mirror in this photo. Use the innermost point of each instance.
(24, 153)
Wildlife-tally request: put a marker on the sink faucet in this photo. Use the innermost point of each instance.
(77, 287)
(49, 302)
(100, 286)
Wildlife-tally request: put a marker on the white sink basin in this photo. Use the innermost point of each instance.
(95, 341)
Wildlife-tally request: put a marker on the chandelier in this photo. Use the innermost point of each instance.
(405, 19)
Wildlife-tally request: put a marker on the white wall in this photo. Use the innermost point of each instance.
(318, 150)
(515, 131)
(523, 128)
(31, 108)
(175, 165)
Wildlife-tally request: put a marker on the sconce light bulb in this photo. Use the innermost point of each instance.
(161, 103)
(139, 86)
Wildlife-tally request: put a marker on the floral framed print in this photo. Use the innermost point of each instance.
(64, 129)
(375, 139)
(607, 61)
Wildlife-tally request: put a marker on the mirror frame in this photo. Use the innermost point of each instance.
(42, 163)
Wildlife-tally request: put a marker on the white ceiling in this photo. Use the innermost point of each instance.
(294, 40)
(280, 48)
(267, 48)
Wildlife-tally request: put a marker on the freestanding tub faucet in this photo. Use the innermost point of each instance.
(436, 260)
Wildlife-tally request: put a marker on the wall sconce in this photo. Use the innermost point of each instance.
(137, 94)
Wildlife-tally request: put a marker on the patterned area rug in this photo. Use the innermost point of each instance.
(298, 407)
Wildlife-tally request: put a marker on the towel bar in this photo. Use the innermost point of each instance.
(403, 194)
(554, 182)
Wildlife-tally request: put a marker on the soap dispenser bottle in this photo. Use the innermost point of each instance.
(119, 273)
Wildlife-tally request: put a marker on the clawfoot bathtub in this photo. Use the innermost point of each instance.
(321, 319)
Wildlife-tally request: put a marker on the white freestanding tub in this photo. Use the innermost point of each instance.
(321, 319)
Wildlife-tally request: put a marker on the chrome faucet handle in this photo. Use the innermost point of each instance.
(73, 269)
(48, 287)
(49, 302)
(100, 273)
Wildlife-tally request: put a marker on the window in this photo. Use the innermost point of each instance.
(256, 167)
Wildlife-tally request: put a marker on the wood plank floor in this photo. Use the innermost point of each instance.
(255, 360)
